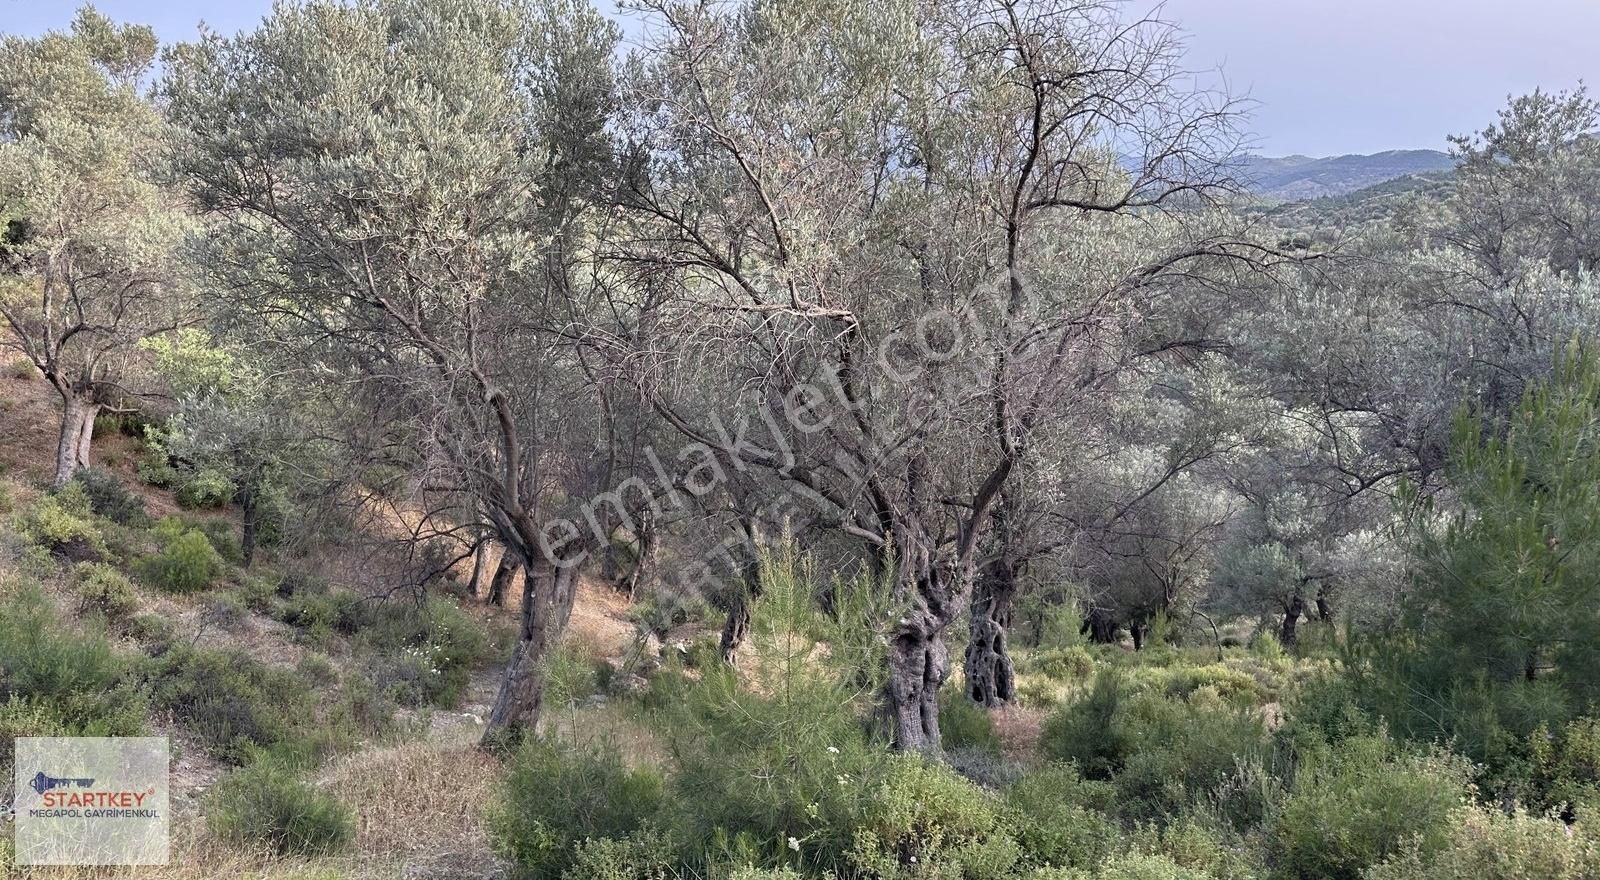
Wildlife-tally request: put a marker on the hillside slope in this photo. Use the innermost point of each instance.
(1296, 178)
(294, 658)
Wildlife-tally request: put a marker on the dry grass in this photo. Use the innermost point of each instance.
(638, 743)
(418, 804)
(197, 855)
(1019, 729)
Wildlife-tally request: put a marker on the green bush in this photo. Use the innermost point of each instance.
(1143, 866)
(569, 677)
(1266, 646)
(104, 591)
(63, 523)
(1058, 818)
(1162, 754)
(424, 655)
(109, 498)
(1073, 663)
(964, 724)
(151, 629)
(1085, 732)
(269, 805)
(1564, 769)
(317, 668)
(647, 855)
(1489, 844)
(924, 817)
(1195, 843)
(224, 611)
(220, 532)
(1060, 626)
(63, 679)
(239, 706)
(663, 611)
(1361, 804)
(186, 562)
(557, 795)
(155, 464)
(1233, 685)
(338, 611)
(205, 489)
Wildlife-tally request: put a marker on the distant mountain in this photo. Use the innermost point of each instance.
(1297, 178)
(1377, 202)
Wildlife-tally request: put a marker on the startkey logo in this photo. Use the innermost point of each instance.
(91, 800)
(44, 784)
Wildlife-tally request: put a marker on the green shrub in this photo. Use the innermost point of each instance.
(1073, 663)
(1085, 733)
(1143, 866)
(151, 629)
(1233, 685)
(569, 677)
(104, 591)
(425, 655)
(557, 795)
(365, 707)
(1058, 820)
(332, 610)
(1325, 711)
(751, 872)
(186, 562)
(1162, 754)
(1060, 626)
(1564, 769)
(964, 724)
(1198, 844)
(239, 706)
(65, 679)
(647, 855)
(220, 532)
(224, 611)
(663, 611)
(63, 523)
(110, 499)
(317, 668)
(1488, 844)
(1266, 646)
(155, 464)
(923, 815)
(269, 805)
(206, 488)
(1361, 804)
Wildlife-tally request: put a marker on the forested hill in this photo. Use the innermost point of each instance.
(1294, 178)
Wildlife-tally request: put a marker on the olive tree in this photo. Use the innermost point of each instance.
(844, 221)
(398, 194)
(87, 237)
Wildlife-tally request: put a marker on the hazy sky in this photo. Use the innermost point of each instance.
(1329, 76)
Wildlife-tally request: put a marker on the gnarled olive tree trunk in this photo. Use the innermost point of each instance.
(547, 594)
(504, 575)
(77, 432)
(991, 676)
(933, 584)
(1292, 609)
(644, 563)
(1100, 625)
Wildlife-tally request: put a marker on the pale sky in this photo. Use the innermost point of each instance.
(1329, 76)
